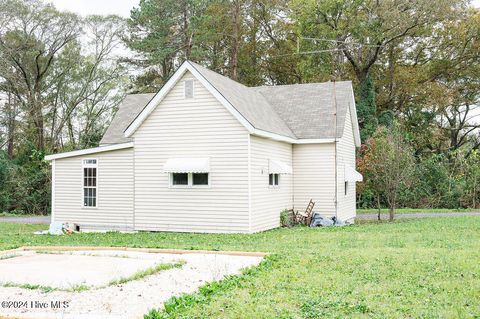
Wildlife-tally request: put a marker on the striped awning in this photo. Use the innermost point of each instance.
(187, 165)
(278, 167)
(351, 175)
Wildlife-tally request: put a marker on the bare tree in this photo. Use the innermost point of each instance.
(31, 36)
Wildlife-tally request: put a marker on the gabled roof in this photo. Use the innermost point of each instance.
(299, 113)
(309, 109)
(88, 151)
(249, 103)
(130, 107)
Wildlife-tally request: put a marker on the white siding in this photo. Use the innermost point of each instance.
(314, 177)
(114, 209)
(267, 202)
(198, 127)
(346, 156)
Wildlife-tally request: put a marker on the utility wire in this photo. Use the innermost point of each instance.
(306, 52)
(355, 45)
(342, 41)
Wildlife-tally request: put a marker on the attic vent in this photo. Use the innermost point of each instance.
(188, 89)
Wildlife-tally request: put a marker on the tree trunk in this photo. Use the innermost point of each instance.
(11, 114)
(391, 210)
(391, 213)
(235, 40)
(186, 35)
(378, 206)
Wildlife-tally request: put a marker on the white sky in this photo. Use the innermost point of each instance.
(118, 7)
(101, 7)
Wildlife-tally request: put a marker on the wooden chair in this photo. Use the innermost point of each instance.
(305, 217)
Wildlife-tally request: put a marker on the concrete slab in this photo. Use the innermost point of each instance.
(129, 300)
(66, 271)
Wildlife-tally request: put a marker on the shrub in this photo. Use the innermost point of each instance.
(286, 218)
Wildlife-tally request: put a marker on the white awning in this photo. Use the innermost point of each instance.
(187, 165)
(351, 175)
(278, 167)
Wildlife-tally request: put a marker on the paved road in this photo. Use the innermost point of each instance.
(416, 215)
(26, 220)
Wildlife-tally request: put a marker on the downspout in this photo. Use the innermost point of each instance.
(249, 163)
(134, 186)
(335, 147)
(52, 217)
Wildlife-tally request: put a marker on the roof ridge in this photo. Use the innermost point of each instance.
(140, 93)
(297, 84)
(265, 100)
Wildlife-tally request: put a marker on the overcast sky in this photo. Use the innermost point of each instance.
(119, 7)
(102, 7)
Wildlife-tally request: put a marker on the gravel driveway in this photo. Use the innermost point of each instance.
(26, 220)
(416, 215)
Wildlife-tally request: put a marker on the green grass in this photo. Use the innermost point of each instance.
(144, 273)
(417, 210)
(425, 268)
(9, 256)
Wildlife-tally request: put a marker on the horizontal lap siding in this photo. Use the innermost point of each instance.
(199, 127)
(314, 177)
(346, 156)
(114, 191)
(267, 202)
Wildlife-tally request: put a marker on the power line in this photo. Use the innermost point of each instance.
(307, 52)
(357, 45)
(342, 41)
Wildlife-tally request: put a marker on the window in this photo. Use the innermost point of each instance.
(179, 179)
(273, 179)
(189, 179)
(346, 188)
(90, 183)
(200, 179)
(188, 89)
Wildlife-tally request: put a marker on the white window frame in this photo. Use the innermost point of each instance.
(190, 181)
(185, 89)
(89, 165)
(274, 185)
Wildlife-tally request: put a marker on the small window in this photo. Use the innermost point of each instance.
(273, 179)
(90, 161)
(200, 179)
(189, 179)
(188, 89)
(90, 183)
(346, 188)
(179, 179)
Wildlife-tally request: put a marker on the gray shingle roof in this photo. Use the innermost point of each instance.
(309, 109)
(302, 111)
(127, 111)
(251, 104)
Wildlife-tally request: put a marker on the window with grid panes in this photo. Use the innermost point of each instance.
(90, 183)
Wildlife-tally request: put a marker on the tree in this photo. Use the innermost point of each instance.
(89, 84)
(389, 163)
(163, 33)
(31, 36)
(60, 83)
(362, 29)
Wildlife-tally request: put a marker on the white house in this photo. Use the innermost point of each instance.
(208, 154)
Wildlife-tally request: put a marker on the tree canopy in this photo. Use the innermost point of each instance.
(414, 65)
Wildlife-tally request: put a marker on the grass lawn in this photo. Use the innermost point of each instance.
(426, 268)
(416, 210)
